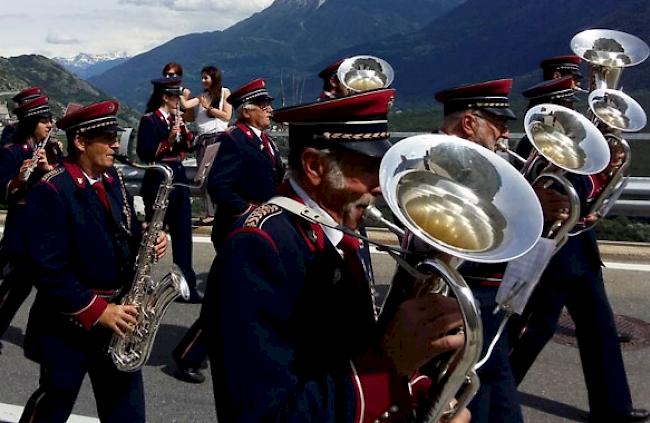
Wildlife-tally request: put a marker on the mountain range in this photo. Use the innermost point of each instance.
(61, 86)
(432, 44)
(85, 65)
(290, 38)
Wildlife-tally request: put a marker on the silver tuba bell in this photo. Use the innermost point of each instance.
(461, 199)
(564, 141)
(608, 52)
(365, 73)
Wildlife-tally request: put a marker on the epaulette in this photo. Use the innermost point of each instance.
(258, 216)
(52, 173)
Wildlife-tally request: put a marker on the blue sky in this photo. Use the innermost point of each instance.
(68, 27)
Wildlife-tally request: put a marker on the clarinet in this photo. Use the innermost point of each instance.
(34, 159)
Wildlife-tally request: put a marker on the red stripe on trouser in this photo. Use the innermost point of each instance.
(189, 346)
(35, 400)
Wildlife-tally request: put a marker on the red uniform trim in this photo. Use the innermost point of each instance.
(380, 392)
(76, 174)
(245, 129)
(89, 315)
(246, 210)
(14, 185)
(257, 231)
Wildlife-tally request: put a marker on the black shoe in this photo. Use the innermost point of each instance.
(623, 337)
(189, 375)
(196, 297)
(634, 415)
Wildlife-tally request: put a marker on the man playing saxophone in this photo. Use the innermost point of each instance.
(82, 250)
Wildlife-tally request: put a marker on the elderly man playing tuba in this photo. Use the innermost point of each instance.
(291, 328)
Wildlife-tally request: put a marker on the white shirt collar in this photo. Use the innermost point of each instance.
(333, 235)
(164, 113)
(92, 181)
(256, 131)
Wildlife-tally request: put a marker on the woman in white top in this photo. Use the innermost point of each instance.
(211, 115)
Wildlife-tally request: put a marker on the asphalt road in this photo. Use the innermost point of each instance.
(553, 392)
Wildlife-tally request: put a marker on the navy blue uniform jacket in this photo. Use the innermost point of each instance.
(153, 146)
(82, 257)
(291, 331)
(242, 177)
(13, 192)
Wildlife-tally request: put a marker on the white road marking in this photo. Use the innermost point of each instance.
(11, 413)
(611, 265)
(632, 267)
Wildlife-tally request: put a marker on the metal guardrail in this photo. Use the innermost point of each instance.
(634, 201)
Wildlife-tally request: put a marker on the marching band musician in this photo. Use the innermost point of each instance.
(83, 250)
(246, 172)
(20, 168)
(332, 87)
(164, 138)
(248, 167)
(20, 98)
(574, 279)
(291, 329)
(480, 113)
(562, 66)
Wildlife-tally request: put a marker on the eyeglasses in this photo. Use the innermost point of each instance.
(170, 75)
(263, 106)
(500, 125)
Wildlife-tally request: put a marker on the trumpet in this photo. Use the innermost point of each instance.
(457, 198)
(608, 52)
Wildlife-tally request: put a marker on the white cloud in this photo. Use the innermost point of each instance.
(100, 26)
(59, 38)
(233, 7)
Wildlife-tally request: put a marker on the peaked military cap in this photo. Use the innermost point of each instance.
(552, 91)
(97, 117)
(253, 91)
(330, 70)
(357, 122)
(26, 95)
(491, 96)
(171, 85)
(566, 65)
(37, 106)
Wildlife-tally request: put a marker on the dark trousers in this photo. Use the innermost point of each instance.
(179, 221)
(600, 353)
(119, 395)
(14, 290)
(497, 400)
(192, 352)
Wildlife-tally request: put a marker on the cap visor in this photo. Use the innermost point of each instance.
(501, 111)
(376, 148)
